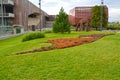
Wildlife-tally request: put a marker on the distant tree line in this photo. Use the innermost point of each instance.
(113, 26)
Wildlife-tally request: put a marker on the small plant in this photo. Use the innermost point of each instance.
(33, 35)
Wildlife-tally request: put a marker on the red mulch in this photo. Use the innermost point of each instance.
(38, 50)
(69, 42)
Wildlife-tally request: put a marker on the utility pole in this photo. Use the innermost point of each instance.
(101, 15)
(40, 14)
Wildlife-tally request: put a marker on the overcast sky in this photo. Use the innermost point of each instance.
(53, 6)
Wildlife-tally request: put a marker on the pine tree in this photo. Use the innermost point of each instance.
(61, 23)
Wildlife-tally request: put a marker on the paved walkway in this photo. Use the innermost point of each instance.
(2, 37)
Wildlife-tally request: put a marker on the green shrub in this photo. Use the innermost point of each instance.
(33, 35)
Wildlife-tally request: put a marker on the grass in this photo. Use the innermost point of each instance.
(99, 60)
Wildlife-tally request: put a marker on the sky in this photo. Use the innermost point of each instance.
(52, 7)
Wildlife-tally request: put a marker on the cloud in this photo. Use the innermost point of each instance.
(53, 6)
(114, 14)
(50, 4)
(112, 3)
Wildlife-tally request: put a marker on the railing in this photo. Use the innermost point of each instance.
(6, 30)
(7, 15)
(11, 2)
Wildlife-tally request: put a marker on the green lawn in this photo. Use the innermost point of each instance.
(99, 60)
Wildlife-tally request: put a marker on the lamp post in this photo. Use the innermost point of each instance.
(40, 13)
(101, 15)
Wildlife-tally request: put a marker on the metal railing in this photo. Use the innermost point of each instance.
(6, 30)
(7, 15)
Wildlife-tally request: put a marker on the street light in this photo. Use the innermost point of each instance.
(101, 15)
(40, 13)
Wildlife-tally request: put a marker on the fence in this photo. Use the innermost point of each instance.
(6, 30)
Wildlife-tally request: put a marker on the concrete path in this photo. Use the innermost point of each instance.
(2, 37)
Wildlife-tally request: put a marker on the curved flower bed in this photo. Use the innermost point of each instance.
(68, 42)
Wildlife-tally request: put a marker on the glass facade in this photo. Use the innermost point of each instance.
(6, 16)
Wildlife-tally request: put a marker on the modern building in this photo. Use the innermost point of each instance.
(84, 12)
(20, 15)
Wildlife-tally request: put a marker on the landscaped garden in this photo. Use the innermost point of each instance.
(98, 60)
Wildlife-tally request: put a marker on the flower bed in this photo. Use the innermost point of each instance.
(69, 42)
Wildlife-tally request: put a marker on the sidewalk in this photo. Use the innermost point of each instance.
(2, 37)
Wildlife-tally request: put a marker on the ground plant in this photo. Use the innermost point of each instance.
(33, 35)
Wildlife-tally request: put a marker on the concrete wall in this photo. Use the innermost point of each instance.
(24, 8)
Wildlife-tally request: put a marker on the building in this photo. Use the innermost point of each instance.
(83, 12)
(50, 21)
(20, 14)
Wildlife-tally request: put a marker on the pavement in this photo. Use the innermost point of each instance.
(2, 37)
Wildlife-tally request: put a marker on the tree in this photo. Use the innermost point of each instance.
(61, 23)
(96, 13)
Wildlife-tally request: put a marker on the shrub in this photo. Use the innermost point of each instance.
(33, 35)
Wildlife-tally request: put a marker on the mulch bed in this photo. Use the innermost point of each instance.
(68, 42)
(38, 50)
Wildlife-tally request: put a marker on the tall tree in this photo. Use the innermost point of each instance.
(61, 23)
(96, 13)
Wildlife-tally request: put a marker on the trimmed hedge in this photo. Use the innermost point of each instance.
(33, 35)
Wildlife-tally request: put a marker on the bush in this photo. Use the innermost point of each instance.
(33, 35)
